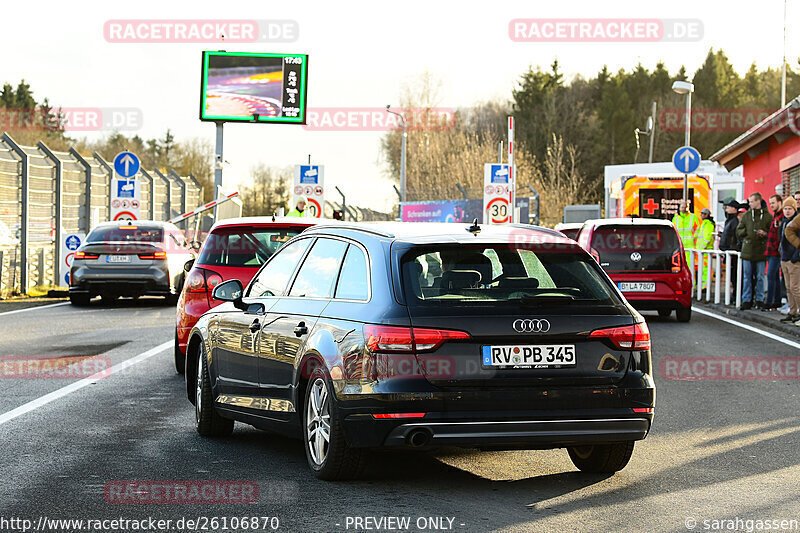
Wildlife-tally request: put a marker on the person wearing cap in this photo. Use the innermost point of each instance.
(789, 248)
(774, 284)
(752, 229)
(705, 239)
(687, 225)
(728, 240)
(299, 208)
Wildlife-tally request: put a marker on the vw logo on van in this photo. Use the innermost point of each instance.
(528, 325)
(636, 257)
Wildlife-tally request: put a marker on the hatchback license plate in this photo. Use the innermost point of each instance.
(526, 355)
(636, 286)
(118, 259)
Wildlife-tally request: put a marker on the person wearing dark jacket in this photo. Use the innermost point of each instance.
(728, 240)
(752, 229)
(789, 248)
(773, 256)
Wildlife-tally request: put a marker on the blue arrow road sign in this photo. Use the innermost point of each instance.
(126, 164)
(686, 159)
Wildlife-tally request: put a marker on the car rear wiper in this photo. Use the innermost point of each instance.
(530, 299)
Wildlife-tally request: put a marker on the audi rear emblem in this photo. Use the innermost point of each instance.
(528, 325)
(636, 257)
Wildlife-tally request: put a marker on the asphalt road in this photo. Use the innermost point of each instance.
(718, 450)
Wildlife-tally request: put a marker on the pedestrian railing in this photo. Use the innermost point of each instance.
(715, 271)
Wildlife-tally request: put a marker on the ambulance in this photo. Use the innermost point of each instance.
(657, 196)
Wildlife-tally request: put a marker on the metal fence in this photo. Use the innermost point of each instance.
(718, 276)
(46, 194)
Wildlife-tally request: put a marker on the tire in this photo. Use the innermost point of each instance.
(664, 313)
(180, 357)
(607, 458)
(79, 300)
(332, 460)
(171, 299)
(683, 314)
(207, 421)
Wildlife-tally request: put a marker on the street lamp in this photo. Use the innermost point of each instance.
(687, 88)
(402, 155)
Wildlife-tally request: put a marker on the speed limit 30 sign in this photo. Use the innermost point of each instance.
(497, 194)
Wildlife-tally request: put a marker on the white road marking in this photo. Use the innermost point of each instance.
(33, 308)
(747, 327)
(72, 387)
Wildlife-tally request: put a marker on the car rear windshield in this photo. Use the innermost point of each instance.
(636, 248)
(132, 233)
(243, 247)
(502, 274)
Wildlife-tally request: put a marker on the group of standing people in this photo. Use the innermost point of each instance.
(695, 233)
(768, 236)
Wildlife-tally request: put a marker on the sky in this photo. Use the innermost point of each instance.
(361, 54)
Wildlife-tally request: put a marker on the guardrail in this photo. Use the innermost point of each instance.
(697, 256)
(46, 195)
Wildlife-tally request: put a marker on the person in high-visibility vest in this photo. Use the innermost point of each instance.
(299, 209)
(705, 239)
(687, 225)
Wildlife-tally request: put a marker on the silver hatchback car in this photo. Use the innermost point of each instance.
(129, 259)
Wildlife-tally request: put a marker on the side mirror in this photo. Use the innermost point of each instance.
(229, 291)
(187, 266)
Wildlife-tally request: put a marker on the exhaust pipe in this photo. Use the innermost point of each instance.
(418, 438)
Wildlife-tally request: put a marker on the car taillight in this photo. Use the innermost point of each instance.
(596, 255)
(676, 260)
(202, 280)
(634, 337)
(395, 339)
(644, 410)
(154, 255)
(84, 255)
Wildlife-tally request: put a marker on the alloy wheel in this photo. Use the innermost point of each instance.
(318, 421)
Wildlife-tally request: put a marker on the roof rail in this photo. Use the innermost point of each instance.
(349, 227)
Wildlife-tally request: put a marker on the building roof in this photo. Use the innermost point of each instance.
(782, 124)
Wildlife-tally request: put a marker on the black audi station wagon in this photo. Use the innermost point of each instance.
(417, 335)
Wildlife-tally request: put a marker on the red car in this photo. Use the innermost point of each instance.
(645, 258)
(234, 249)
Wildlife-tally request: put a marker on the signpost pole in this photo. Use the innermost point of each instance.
(511, 176)
(218, 164)
(686, 142)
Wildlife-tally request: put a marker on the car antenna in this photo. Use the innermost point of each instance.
(474, 228)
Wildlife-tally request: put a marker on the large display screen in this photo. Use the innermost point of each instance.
(249, 87)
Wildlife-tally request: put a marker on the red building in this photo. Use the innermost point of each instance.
(769, 153)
